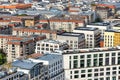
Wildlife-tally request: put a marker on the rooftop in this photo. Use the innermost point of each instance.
(24, 64)
(50, 57)
(76, 51)
(86, 28)
(71, 34)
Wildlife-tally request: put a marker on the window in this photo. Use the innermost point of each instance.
(82, 71)
(82, 56)
(101, 69)
(113, 54)
(114, 78)
(83, 75)
(114, 72)
(106, 61)
(118, 60)
(101, 78)
(114, 68)
(95, 55)
(96, 70)
(107, 68)
(81, 63)
(113, 60)
(88, 62)
(96, 74)
(88, 56)
(107, 78)
(95, 62)
(100, 61)
(75, 57)
(89, 70)
(76, 76)
(101, 74)
(76, 71)
(100, 55)
(107, 73)
(89, 75)
(75, 63)
(107, 55)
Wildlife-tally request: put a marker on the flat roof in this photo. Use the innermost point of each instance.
(86, 28)
(50, 57)
(71, 34)
(89, 50)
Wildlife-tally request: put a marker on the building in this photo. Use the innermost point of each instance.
(54, 61)
(111, 38)
(103, 13)
(34, 70)
(67, 22)
(92, 64)
(92, 36)
(47, 46)
(21, 48)
(101, 26)
(74, 40)
(22, 31)
(12, 74)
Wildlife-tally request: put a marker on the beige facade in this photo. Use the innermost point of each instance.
(29, 31)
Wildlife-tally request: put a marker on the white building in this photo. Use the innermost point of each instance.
(92, 64)
(55, 65)
(47, 46)
(74, 40)
(101, 26)
(92, 36)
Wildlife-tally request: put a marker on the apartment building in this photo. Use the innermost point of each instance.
(21, 48)
(74, 40)
(67, 22)
(111, 38)
(54, 61)
(47, 46)
(35, 71)
(22, 31)
(92, 64)
(92, 36)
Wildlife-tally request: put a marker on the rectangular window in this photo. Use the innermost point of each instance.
(88, 62)
(89, 75)
(75, 57)
(75, 72)
(95, 55)
(82, 71)
(82, 63)
(76, 76)
(95, 62)
(113, 60)
(106, 61)
(113, 54)
(82, 56)
(75, 63)
(89, 70)
(88, 56)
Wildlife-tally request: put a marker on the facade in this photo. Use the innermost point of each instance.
(111, 38)
(54, 61)
(74, 40)
(47, 46)
(21, 48)
(35, 71)
(67, 23)
(92, 36)
(21, 31)
(102, 12)
(101, 26)
(92, 64)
